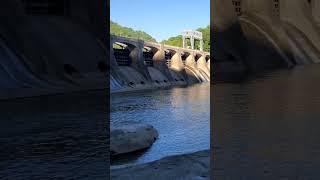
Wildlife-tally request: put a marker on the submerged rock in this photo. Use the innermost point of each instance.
(131, 137)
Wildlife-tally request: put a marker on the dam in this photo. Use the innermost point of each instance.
(55, 62)
(254, 36)
(53, 77)
(52, 47)
(265, 126)
(137, 64)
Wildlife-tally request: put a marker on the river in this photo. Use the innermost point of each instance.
(180, 114)
(60, 136)
(268, 127)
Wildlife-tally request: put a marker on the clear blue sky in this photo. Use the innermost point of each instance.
(161, 18)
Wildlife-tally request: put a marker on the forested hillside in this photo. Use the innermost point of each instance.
(119, 30)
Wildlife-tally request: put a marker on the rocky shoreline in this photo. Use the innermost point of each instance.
(187, 166)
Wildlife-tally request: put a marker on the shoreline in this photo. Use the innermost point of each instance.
(8, 94)
(148, 88)
(185, 166)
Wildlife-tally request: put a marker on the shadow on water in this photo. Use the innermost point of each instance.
(268, 127)
(128, 157)
(54, 137)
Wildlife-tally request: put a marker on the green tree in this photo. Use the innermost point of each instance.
(116, 29)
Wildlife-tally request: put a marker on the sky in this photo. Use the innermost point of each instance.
(161, 18)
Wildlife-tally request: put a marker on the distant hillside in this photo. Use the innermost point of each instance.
(177, 40)
(119, 30)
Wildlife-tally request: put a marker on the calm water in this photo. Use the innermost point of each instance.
(56, 137)
(268, 127)
(181, 115)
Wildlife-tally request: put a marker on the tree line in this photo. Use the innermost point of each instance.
(117, 29)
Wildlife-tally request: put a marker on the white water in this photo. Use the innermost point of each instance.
(114, 84)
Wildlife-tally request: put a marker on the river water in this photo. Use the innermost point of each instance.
(180, 114)
(268, 127)
(54, 137)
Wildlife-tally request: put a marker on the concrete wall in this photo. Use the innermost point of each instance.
(266, 35)
(229, 52)
(177, 73)
(46, 43)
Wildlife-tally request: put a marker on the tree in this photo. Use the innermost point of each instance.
(116, 29)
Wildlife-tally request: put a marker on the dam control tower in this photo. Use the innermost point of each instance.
(192, 35)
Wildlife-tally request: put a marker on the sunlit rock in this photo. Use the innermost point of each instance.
(131, 137)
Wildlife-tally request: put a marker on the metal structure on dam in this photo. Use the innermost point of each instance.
(139, 63)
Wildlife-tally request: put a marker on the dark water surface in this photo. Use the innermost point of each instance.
(54, 137)
(268, 127)
(181, 115)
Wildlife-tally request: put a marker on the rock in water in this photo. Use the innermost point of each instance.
(131, 137)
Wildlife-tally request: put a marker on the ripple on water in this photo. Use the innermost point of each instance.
(181, 116)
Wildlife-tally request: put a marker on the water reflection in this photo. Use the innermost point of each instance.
(268, 127)
(181, 116)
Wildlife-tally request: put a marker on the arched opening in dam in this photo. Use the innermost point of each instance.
(148, 54)
(184, 56)
(175, 65)
(125, 54)
(122, 54)
(190, 67)
(157, 77)
(203, 70)
(168, 56)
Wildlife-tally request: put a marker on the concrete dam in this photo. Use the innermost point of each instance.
(53, 44)
(62, 45)
(138, 64)
(252, 36)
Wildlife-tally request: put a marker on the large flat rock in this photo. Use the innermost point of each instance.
(187, 166)
(131, 137)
